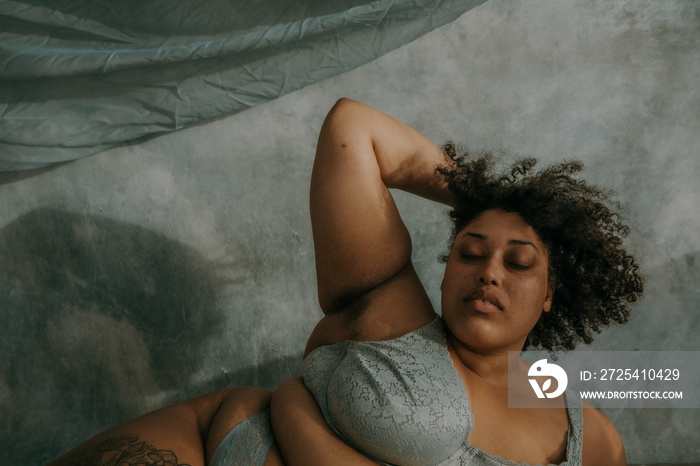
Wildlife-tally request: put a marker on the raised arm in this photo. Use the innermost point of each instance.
(366, 282)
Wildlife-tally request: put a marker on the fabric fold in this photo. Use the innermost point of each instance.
(77, 77)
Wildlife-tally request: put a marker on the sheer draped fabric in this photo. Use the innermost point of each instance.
(77, 77)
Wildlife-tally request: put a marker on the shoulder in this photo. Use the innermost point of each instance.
(602, 443)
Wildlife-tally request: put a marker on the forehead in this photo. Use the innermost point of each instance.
(501, 226)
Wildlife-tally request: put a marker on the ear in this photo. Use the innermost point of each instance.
(549, 296)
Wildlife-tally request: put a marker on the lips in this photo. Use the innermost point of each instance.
(485, 296)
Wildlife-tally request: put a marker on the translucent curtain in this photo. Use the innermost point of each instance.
(78, 76)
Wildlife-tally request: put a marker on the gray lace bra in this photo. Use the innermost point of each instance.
(402, 401)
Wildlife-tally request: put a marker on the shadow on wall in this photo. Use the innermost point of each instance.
(99, 318)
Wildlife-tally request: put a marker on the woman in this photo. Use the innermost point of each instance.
(536, 260)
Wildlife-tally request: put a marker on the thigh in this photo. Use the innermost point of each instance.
(176, 435)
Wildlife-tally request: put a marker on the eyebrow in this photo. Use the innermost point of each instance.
(513, 242)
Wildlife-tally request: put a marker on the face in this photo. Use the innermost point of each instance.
(496, 282)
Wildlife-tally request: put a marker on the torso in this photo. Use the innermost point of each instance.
(535, 435)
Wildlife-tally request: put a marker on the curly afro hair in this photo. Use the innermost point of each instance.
(596, 280)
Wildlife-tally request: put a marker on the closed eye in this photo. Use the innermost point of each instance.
(518, 266)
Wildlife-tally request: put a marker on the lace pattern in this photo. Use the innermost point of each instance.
(574, 447)
(402, 401)
(247, 444)
(394, 400)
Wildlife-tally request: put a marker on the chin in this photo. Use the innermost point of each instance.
(476, 335)
(483, 336)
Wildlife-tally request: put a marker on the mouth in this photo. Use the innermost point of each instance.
(484, 300)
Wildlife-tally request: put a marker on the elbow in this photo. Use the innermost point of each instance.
(278, 402)
(345, 113)
(283, 405)
(343, 103)
(347, 110)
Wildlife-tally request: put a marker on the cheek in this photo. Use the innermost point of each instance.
(449, 289)
(447, 277)
(531, 294)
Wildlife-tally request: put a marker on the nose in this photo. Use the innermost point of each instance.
(490, 272)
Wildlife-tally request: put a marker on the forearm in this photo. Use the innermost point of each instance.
(302, 435)
(405, 158)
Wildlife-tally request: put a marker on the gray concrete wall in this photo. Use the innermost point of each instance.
(159, 270)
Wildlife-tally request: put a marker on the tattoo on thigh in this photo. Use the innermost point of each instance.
(122, 451)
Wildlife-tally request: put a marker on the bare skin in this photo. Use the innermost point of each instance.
(369, 290)
(178, 435)
(311, 441)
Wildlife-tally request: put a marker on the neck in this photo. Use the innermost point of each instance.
(491, 365)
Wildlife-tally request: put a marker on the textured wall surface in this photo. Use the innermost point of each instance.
(160, 270)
